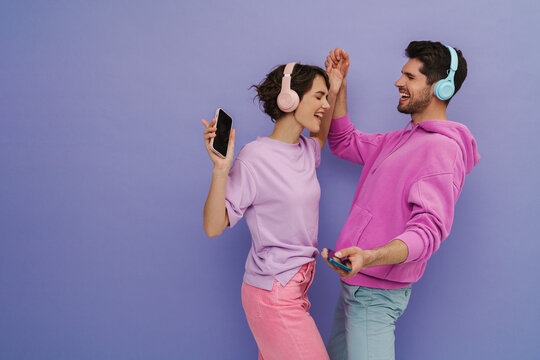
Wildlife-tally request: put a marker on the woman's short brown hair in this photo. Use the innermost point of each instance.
(301, 81)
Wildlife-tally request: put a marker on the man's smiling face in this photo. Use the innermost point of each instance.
(415, 93)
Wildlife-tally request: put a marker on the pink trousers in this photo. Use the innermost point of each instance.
(280, 321)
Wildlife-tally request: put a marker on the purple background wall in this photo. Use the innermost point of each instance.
(104, 173)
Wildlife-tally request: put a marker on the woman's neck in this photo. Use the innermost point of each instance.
(287, 129)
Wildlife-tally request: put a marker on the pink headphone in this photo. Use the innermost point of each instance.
(287, 99)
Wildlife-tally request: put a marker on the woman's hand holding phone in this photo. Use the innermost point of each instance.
(222, 164)
(215, 217)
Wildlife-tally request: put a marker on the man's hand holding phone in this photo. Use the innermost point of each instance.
(341, 266)
(395, 252)
(356, 260)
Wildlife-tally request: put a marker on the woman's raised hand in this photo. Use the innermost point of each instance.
(337, 65)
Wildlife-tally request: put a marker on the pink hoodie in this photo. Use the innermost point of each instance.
(409, 185)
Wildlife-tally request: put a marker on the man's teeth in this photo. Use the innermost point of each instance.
(403, 95)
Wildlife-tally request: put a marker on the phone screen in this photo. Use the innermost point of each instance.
(221, 141)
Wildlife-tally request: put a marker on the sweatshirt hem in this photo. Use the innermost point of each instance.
(371, 282)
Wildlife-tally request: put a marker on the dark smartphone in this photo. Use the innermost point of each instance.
(220, 143)
(336, 261)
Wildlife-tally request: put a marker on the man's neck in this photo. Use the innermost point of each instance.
(434, 111)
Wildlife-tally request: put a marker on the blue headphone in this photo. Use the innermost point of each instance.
(444, 89)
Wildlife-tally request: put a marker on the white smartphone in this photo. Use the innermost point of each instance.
(220, 143)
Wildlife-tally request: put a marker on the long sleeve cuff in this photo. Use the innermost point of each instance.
(340, 123)
(414, 243)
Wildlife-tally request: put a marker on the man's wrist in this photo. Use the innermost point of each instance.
(374, 257)
(339, 114)
(333, 92)
(395, 252)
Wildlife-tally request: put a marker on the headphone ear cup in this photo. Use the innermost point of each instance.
(288, 101)
(444, 89)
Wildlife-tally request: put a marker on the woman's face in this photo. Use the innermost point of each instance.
(311, 108)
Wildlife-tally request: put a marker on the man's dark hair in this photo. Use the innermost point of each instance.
(301, 81)
(436, 59)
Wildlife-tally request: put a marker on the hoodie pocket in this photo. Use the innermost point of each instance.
(354, 227)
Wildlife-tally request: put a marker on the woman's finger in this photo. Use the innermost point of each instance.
(230, 147)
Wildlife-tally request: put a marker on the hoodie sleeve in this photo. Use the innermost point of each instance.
(350, 144)
(432, 199)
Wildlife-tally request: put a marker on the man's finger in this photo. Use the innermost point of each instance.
(338, 51)
(342, 273)
(335, 268)
(343, 253)
(324, 253)
(333, 56)
(351, 273)
(328, 64)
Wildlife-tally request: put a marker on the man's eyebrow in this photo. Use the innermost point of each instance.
(407, 73)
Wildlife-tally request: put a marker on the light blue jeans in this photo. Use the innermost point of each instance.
(364, 323)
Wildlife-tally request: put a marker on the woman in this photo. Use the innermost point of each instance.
(273, 183)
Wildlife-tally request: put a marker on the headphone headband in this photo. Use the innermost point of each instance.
(287, 77)
(288, 69)
(444, 89)
(287, 99)
(453, 58)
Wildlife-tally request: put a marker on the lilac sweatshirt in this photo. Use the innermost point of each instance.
(409, 185)
(274, 186)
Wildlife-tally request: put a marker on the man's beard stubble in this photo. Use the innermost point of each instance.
(414, 105)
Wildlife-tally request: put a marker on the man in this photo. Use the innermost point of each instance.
(404, 204)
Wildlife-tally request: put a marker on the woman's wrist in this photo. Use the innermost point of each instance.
(220, 170)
